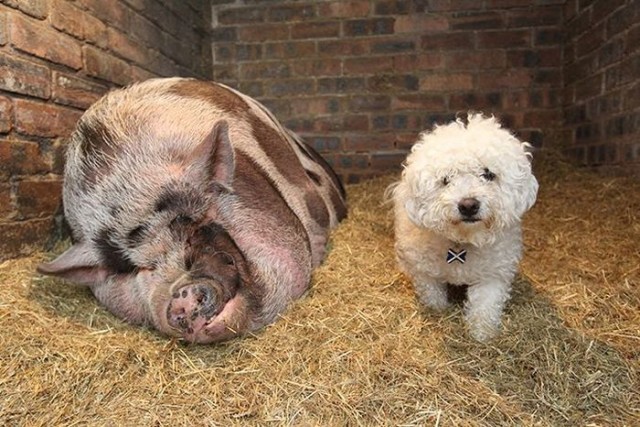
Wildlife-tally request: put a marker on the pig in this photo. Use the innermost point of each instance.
(193, 210)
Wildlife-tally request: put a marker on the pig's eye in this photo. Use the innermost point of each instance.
(226, 258)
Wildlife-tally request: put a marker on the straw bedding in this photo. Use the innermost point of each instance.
(358, 350)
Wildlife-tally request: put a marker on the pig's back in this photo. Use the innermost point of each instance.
(126, 146)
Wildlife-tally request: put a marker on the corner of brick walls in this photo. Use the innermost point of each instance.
(56, 58)
(359, 79)
(602, 84)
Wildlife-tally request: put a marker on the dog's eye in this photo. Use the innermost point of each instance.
(488, 175)
(445, 180)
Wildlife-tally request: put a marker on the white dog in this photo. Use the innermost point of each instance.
(458, 210)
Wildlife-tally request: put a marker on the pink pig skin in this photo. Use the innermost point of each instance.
(193, 210)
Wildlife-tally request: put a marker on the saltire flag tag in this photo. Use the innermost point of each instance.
(456, 256)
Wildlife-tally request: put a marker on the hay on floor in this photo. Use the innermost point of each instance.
(358, 350)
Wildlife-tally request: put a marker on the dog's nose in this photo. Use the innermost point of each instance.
(468, 207)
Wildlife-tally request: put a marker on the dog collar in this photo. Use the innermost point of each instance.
(453, 256)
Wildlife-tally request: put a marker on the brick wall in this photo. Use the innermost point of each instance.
(56, 58)
(360, 79)
(602, 82)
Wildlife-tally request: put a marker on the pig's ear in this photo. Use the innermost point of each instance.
(217, 148)
(77, 265)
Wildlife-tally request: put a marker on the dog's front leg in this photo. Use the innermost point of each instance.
(432, 293)
(483, 310)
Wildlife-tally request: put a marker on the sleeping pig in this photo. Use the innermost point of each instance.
(193, 210)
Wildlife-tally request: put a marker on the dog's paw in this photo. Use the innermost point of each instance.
(482, 328)
(484, 333)
(433, 296)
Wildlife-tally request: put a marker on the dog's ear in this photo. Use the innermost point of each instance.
(529, 183)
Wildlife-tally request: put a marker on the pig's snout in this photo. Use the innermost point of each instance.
(191, 309)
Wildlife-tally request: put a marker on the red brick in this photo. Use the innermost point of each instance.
(589, 87)
(632, 39)
(477, 20)
(421, 24)
(418, 102)
(3, 28)
(475, 101)
(452, 5)
(125, 47)
(368, 143)
(392, 83)
(37, 199)
(40, 40)
(530, 58)
(70, 19)
(288, 50)
(632, 98)
(603, 8)
(24, 77)
(367, 27)
(540, 17)
(475, 60)
(291, 87)
(387, 161)
(264, 32)
(318, 67)
(95, 31)
(241, 15)
(368, 65)
(362, 103)
(249, 52)
(35, 8)
(350, 47)
(75, 91)
(314, 105)
(505, 4)
(20, 158)
(47, 120)
(392, 7)
(446, 82)
(6, 114)
(404, 141)
(430, 61)
(6, 203)
(396, 45)
(591, 40)
(570, 9)
(223, 73)
(105, 66)
(259, 70)
(516, 78)
(149, 33)
(327, 124)
(448, 41)
(504, 39)
(340, 84)
(357, 122)
(140, 74)
(292, 12)
(23, 237)
(345, 9)
(315, 30)
(113, 12)
(541, 119)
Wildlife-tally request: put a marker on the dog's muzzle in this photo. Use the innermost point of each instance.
(469, 208)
